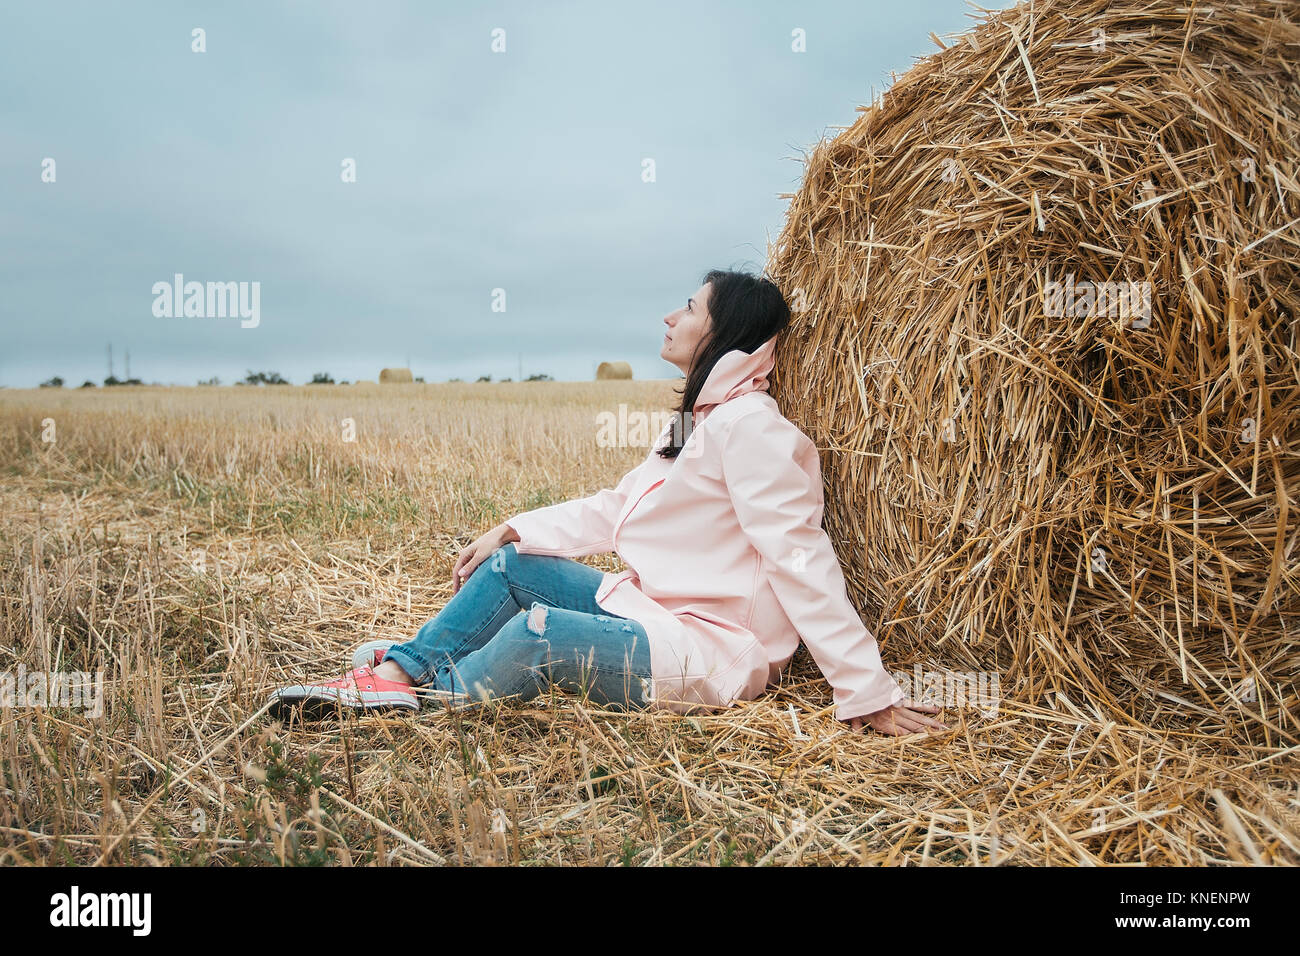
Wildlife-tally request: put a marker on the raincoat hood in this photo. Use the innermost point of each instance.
(736, 373)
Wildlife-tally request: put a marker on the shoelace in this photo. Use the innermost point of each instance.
(358, 674)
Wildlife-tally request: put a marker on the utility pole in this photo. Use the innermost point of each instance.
(521, 367)
(128, 366)
(110, 359)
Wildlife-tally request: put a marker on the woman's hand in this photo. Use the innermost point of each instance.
(907, 717)
(478, 552)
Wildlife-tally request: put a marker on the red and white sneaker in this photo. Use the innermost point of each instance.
(371, 653)
(360, 690)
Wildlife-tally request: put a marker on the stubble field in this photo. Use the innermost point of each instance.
(199, 546)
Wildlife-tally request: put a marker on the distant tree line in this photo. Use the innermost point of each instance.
(539, 377)
(57, 382)
(264, 378)
(270, 378)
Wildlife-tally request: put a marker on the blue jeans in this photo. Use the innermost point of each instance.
(481, 646)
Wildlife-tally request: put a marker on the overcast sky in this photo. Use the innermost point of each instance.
(475, 171)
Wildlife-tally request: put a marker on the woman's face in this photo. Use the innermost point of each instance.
(686, 327)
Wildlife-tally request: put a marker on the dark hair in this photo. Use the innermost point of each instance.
(745, 311)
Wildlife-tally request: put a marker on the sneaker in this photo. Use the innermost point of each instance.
(371, 653)
(360, 690)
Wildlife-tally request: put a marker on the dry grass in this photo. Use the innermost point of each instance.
(200, 546)
(1096, 508)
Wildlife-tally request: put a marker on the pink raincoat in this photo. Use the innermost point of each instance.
(728, 566)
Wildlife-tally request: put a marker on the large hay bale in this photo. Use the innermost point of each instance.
(395, 376)
(613, 370)
(1083, 501)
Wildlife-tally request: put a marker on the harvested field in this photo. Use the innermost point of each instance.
(200, 546)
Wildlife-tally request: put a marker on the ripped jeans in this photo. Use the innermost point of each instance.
(482, 646)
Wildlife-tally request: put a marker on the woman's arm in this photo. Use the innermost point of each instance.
(479, 550)
(571, 529)
(575, 528)
(774, 480)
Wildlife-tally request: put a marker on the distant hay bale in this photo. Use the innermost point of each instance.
(613, 370)
(1026, 469)
(395, 376)
(363, 381)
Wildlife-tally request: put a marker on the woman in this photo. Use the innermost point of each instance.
(728, 567)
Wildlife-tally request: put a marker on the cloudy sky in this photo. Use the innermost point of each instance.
(475, 171)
